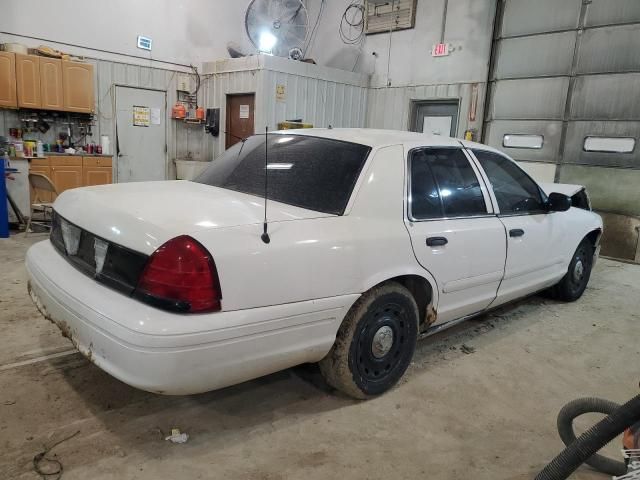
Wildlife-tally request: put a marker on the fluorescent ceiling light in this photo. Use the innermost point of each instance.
(267, 41)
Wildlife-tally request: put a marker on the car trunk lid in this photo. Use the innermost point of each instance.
(143, 215)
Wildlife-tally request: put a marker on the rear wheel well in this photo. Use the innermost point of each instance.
(422, 293)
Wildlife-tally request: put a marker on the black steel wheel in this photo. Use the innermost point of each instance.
(374, 344)
(574, 283)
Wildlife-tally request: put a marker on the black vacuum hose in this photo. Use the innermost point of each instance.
(573, 410)
(591, 441)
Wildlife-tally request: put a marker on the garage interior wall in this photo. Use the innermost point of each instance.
(411, 73)
(108, 74)
(566, 70)
(318, 95)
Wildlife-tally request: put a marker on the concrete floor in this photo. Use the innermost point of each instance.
(485, 415)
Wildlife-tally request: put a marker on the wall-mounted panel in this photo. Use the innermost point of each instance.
(606, 12)
(535, 56)
(578, 131)
(539, 98)
(522, 17)
(610, 49)
(606, 97)
(550, 132)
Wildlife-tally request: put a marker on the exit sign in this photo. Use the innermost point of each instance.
(440, 50)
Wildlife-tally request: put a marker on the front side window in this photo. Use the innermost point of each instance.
(443, 184)
(308, 172)
(515, 191)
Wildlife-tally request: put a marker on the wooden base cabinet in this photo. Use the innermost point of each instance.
(97, 171)
(68, 172)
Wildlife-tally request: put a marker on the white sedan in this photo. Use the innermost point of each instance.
(373, 239)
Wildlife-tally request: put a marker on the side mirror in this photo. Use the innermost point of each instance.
(558, 202)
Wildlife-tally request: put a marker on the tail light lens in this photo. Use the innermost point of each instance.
(181, 276)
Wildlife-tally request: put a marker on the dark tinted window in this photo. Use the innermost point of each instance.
(443, 184)
(309, 172)
(513, 188)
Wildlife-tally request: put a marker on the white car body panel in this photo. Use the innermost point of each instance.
(283, 302)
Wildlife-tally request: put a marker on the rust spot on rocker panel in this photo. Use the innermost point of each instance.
(431, 316)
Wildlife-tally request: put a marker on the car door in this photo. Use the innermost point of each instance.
(534, 254)
(454, 233)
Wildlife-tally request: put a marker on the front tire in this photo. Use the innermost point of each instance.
(574, 283)
(375, 343)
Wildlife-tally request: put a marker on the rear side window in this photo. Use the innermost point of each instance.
(443, 184)
(515, 191)
(309, 172)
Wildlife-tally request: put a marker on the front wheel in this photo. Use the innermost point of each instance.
(573, 284)
(374, 344)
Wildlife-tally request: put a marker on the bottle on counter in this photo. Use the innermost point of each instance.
(39, 149)
(98, 150)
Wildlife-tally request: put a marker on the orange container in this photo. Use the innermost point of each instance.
(200, 113)
(178, 111)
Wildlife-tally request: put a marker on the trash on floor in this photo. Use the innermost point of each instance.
(177, 437)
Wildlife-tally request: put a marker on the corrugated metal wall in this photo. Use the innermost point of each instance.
(181, 139)
(389, 107)
(568, 69)
(317, 95)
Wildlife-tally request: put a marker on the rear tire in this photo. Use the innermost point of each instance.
(375, 343)
(575, 281)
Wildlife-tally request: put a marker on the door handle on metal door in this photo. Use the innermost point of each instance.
(516, 232)
(436, 241)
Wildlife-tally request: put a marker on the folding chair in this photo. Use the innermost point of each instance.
(40, 183)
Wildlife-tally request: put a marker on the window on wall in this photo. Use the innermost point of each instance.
(443, 184)
(517, 140)
(609, 144)
(515, 191)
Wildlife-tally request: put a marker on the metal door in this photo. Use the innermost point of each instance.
(141, 142)
(463, 248)
(435, 117)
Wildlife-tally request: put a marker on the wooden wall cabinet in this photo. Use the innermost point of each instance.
(51, 83)
(8, 97)
(77, 84)
(28, 81)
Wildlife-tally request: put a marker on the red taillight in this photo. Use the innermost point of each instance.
(181, 275)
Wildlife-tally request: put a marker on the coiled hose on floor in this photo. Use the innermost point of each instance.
(591, 441)
(581, 406)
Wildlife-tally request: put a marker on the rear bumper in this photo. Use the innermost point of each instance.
(170, 353)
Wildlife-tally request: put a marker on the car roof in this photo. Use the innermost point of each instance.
(380, 138)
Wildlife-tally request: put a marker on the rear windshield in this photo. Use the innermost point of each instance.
(309, 172)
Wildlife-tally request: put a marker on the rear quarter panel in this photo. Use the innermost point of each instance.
(322, 257)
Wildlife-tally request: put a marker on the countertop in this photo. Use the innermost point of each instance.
(56, 154)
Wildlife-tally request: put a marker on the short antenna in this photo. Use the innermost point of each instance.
(265, 235)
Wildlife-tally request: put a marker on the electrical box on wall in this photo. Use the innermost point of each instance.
(387, 15)
(184, 83)
(144, 42)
